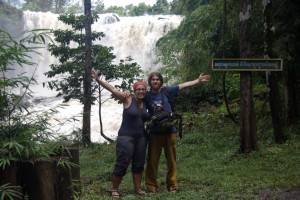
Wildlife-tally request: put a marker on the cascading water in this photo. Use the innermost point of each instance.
(129, 36)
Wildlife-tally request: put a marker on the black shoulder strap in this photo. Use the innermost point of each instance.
(166, 92)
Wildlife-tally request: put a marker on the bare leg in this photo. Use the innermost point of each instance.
(137, 180)
(116, 180)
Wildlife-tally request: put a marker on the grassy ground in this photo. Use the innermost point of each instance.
(209, 165)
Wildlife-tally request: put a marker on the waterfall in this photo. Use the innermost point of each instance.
(129, 36)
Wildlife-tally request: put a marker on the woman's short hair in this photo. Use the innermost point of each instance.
(159, 77)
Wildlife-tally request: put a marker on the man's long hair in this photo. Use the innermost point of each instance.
(155, 74)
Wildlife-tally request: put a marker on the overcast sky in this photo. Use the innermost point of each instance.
(108, 3)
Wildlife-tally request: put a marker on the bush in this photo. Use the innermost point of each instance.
(22, 132)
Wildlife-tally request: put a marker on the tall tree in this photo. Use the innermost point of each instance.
(273, 77)
(248, 124)
(288, 46)
(87, 102)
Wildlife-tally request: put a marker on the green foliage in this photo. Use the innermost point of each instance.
(116, 9)
(33, 6)
(56, 6)
(72, 60)
(18, 149)
(233, 85)
(192, 44)
(7, 192)
(23, 131)
(74, 9)
(202, 36)
(98, 7)
(185, 7)
(287, 42)
(161, 7)
(176, 7)
(66, 164)
(139, 10)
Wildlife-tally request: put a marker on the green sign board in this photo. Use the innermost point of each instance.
(246, 64)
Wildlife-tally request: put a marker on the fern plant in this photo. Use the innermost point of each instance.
(7, 192)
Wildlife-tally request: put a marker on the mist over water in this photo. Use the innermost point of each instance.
(129, 36)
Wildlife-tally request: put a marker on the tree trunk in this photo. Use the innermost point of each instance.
(73, 154)
(39, 180)
(248, 125)
(65, 186)
(10, 175)
(86, 124)
(275, 107)
(46, 180)
(273, 77)
(291, 96)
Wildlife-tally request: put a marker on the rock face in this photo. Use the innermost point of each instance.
(11, 19)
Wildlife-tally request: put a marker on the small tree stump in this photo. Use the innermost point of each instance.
(73, 154)
(10, 175)
(39, 179)
(65, 186)
(45, 179)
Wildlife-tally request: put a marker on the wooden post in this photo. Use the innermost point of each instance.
(73, 154)
(9, 175)
(39, 179)
(46, 180)
(64, 181)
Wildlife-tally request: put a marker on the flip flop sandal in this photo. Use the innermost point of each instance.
(115, 194)
(140, 192)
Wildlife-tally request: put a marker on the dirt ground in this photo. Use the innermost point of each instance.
(286, 194)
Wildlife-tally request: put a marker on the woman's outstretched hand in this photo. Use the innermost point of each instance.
(126, 94)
